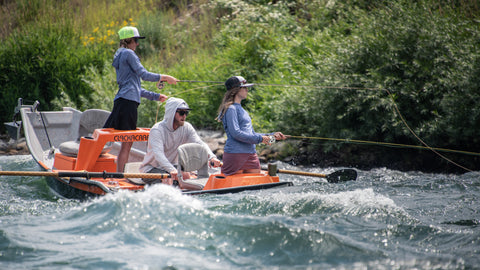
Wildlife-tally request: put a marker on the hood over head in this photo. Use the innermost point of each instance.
(116, 57)
(171, 107)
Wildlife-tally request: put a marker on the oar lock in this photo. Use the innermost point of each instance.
(272, 168)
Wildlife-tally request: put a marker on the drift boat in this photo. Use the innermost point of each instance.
(79, 157)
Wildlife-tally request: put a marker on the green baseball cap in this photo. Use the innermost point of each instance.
(129, 32)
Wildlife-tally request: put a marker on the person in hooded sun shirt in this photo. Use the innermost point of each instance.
(130, 72)
(165, 138)
(240, 155)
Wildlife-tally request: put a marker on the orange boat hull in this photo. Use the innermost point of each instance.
(218, 181)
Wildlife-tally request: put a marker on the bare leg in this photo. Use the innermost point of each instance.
(123, 155)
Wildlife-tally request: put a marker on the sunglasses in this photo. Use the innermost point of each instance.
(136, 40)
(182, 113)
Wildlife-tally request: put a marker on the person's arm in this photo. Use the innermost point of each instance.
(167, 78)
(231, 116)
(156, 142)
(278, 136)
(232, 121)
(162, 98)
(134, 62)
(138, 68)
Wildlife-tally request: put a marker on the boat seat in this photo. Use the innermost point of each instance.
(193, 157)
(89, 121)
(134, 167)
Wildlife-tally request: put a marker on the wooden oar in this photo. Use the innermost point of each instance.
(335, 177)
(86, 174)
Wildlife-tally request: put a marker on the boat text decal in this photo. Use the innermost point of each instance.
(130, 138)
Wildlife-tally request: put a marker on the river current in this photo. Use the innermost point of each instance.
(385, 220)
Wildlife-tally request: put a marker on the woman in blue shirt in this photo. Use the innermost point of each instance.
(240, 155)
(129, 72)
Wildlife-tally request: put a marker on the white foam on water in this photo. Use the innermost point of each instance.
(359, 202)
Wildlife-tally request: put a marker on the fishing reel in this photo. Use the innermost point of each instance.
(160, 85)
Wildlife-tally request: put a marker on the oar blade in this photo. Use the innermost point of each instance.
(342, 176)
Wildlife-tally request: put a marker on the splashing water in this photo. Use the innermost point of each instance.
(386, 219)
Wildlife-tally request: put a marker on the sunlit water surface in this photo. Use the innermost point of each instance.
(384, 220)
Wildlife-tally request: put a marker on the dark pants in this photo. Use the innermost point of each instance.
(123, 116)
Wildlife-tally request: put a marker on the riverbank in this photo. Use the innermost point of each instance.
(9, 147)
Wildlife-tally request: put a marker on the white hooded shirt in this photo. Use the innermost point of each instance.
(164, 141)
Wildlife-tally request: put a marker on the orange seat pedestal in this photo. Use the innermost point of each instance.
(106, 162)
(91, 147)
(63, 162)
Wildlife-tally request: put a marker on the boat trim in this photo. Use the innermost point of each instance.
(238, 189)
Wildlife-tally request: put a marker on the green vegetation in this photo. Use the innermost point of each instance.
(349, 52)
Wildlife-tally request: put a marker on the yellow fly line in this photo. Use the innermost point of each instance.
(387, 144)
(425, 145)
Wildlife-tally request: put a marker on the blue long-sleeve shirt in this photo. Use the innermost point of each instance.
(241, 138)
(129, 72)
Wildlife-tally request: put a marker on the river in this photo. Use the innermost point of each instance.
(385, 220)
